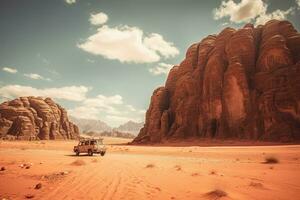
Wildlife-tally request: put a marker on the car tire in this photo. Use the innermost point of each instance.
(90, 152)
(102, 153)
(77, 153)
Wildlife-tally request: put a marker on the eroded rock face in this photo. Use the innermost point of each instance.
(242, 84)
(35, 118)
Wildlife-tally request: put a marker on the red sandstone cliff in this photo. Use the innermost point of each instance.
(238, 84)
(35, 118)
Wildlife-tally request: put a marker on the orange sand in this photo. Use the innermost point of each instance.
(147, 172)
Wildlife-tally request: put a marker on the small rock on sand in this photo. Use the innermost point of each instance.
(26, 165)
(38, 186)
(29, 196)
(64, 173)
(150, 166)
(2, 169)
(216, 194)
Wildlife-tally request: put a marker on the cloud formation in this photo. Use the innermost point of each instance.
(98, 19)
(71, 93)
(157, 43)
(128, 44)
(243, 11)
(10, 70)
(36, 77)
(110, 109)
(247, 11)
(70, 1)
(161, 68)
(277, 14)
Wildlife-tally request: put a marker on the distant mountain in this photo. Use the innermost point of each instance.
(130, 127)
(88, 125)
(98, 126)
(112, 133)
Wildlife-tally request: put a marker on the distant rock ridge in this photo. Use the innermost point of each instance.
(130, 127)
(88, 125)
(240, 84)
(112, 133)
(35, 118)
(98, 126)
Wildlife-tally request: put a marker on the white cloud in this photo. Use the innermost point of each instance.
(161, 68)
(131, 108)
(70, 1)
(71, 93)
(243, 11)
(98, 19)
(157, 43)
(110, 109)
(128, 44)
(10, 70)
(84, 112)
(248, 10)
(37, 77)
(277, 14)
(104, 103)
(102, 100)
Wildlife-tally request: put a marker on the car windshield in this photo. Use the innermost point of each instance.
(90, 142)
(93, 142)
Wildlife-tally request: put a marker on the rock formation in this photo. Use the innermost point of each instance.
(35, 118)
(240, 84)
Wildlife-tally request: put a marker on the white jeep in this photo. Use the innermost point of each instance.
(90, 146)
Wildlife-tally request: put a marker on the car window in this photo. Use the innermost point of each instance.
(81, 143)
(86, 142)
(93, 142)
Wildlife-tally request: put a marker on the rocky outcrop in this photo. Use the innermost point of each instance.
(35, 118)
(239, 84)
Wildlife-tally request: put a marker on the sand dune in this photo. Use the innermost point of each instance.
(139, 172)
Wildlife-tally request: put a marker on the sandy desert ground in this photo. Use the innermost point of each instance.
(148, 172)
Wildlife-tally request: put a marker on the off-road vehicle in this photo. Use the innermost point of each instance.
(90, 146)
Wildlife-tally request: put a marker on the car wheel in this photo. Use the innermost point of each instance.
(77, 153)
(102, 153)
(90, 152)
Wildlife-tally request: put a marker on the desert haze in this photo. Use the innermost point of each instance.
(150, 100)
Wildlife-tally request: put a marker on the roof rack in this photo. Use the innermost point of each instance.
(91, 138)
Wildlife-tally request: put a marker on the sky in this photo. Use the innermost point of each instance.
(102, 59)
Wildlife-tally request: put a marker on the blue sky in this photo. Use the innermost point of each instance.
(102, 59)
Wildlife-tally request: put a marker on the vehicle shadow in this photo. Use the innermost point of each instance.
(73, 155)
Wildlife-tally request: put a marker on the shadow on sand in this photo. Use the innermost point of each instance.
(81, 155)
